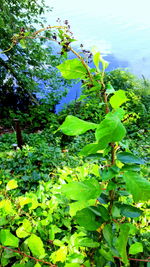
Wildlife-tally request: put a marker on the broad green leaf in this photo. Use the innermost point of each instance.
(109, 89)
(23, 43)
(127, 157)
(100, 211)
(79, 205)
(72, 265)
(89, 189)
(6, 205)
(110, 130)
(72, 69)
(96, 60)
(138, 186)
(37, 265)
(119, 112)
(130, 211)
(108, 235)
(136, 248)
(118, 99)
(87, 219)
(27, 200)
(12, 184)
(36, 246)
(108, 174)
(87, 242)
(24, 230)
(60, 254)
(75, 126)
(8, 239)
(91, 149)
(122, 242)
(75, 258)
(106, 254)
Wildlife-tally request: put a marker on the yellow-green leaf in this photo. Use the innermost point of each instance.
(59, 255)
(36, 246)
(24, 230)
(118, 99)
(12, 184)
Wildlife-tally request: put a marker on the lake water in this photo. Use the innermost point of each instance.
(119, 29)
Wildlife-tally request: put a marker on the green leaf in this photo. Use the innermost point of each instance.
(72, 265)
(130, 211)
(8, 239)
(106, 254)
(87, 219)
(119, 112)
(89, 189)
(23, 43)
(118, 99)
(108, 174)
(74, 126)
(24, 230)
(96, 60)
(136, 248)
(12, 184)
(108, 235)
(138, 186)
(37, 265)
(100, 211)
(127, 157)
(109, 88)
(91, 149)
(59, 255)
(110, 130)
(79, 205)
(36, 246)
(122, 242)
(87, 242)
(72, 69)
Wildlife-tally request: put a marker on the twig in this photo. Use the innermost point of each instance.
(28, 256)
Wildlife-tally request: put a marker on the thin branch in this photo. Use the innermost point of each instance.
(28, 256)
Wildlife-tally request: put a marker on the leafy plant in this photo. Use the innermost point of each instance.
(91, 214)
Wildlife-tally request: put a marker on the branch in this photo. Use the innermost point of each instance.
(28, 256)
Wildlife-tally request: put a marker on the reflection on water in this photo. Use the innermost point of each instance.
(119, 29)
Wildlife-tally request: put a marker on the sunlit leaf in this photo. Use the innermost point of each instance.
(138, 186)
(36, 246)
(110, 130)
(86, 190)
(72, 69)
(136, 248)
(12, 184)
(75, 126)
(91, 148)
(122, 240)
(24, 230)
(118, 99)
(60, 254)
(8, 239)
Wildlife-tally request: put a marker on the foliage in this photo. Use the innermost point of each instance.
(26, 68)
(64, 208)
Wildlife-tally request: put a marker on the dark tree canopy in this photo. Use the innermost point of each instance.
(23, 67)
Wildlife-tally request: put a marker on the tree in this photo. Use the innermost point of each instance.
(22, 67)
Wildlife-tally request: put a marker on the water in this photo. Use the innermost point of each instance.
(119, 29)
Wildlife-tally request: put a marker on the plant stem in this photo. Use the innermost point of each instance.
(28, 256)
(83, 63)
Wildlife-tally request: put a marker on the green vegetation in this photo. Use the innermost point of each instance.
(77, 193)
